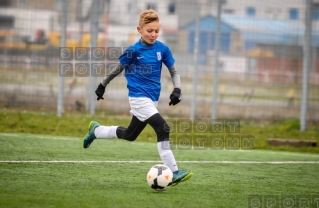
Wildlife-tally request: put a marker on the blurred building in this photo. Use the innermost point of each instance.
(121, 17)
(290, 10)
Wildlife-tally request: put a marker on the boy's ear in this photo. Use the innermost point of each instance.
(139, 29)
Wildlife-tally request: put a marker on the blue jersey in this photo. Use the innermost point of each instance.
(143, 67)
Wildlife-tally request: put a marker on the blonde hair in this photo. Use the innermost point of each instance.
(148, 16)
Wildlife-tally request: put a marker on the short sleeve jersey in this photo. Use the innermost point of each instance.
(143, 67)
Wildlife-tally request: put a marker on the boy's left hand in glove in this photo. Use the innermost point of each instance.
(175, 96)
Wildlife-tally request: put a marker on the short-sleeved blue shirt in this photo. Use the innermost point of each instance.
(143, 67)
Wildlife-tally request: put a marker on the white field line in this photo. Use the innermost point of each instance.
(142, 143)
(158, 162)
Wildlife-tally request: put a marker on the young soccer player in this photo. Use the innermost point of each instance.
(142, 63)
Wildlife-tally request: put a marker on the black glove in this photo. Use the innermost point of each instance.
(100, 91)
(175, 97)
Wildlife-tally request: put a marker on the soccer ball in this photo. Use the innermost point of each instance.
(159, 177)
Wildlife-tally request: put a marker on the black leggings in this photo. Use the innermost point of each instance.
(136, 127)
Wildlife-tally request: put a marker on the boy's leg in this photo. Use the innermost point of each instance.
(97, 131)
(132, 131)
(90, 136)
(162, 131)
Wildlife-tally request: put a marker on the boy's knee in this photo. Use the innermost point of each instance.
(123, 134)
(130, 138)
(163, 133)
(160, 126)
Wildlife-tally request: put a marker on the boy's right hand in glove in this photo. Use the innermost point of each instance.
(100, 91)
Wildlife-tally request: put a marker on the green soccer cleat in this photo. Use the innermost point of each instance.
(181, 176)
(90, 137)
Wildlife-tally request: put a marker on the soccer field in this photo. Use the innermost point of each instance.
(55, 171)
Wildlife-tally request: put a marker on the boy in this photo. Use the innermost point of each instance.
(142, 63)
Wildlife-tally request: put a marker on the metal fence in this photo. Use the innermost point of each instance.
(261, 56)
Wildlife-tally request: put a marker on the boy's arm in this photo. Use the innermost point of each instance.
(176, 95)
(110, 76)
(175, 77)
(101, 88)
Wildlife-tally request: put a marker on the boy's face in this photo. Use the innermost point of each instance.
(150, 31)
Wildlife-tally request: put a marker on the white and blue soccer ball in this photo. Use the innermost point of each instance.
(159, 177)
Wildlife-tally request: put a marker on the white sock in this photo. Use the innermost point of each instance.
(105, 132)
(166, 155)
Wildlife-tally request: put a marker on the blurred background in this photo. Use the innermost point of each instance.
(242, 59)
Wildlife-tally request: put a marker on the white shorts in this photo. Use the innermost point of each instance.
(143, 108)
